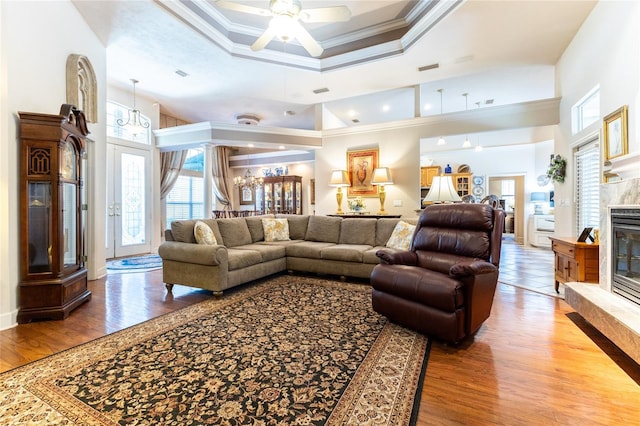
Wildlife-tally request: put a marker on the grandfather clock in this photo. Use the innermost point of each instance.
(53, 275)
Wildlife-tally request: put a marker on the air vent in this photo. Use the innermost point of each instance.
(355, 120)
(181, 73)
(248, 119)
(321, 90)
(428, 67)
(488, 102)
(289, 113)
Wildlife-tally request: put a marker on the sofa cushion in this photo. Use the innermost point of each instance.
(401, 236)
(239, 258)
(254, 223)
(234, 231)
(384, 229)
(345, 252)
(183, 230)
(323, 229)
(307, 249)
(268, 252)
(275, 229)
(297, 225)
(358, 231)
(369, 256)
(204, 234)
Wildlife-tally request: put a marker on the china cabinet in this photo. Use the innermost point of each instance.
(462, 183)
(53, 276)
(282, 194)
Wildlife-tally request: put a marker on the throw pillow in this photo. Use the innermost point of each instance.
(204, 234)
(401, 236)
(275, 229)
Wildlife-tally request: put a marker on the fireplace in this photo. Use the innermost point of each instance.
(625, 253)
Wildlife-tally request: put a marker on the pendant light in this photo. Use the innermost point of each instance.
(134, 123)
(466, 143)
(441, 141)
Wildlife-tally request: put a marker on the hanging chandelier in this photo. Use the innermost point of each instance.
(134, 123)
(248, 180)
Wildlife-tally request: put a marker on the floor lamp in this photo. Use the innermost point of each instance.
(339, 179)
(442, 191)
(382, 177)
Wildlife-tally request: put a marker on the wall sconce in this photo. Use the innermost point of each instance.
(536, 198)
(339, 179)
(382, 177)
(442, 191)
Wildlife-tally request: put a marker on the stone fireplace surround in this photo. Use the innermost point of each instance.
(614, 316)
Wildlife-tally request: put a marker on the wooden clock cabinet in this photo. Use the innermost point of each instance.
(53, 276)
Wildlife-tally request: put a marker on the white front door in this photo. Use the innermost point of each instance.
(128, 201)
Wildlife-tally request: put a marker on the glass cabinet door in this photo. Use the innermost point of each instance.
(288, 197)
(40, 227)
(69, 224)
(268, 197)
(277, 197)
(298, 198)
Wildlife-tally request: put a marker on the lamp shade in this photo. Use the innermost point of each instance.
(382, 176)
(538, 196)
(442, 190)
(339, 178)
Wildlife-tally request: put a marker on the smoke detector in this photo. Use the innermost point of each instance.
(248, 119)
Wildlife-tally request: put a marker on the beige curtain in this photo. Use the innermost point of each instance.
(222, 179)
(170, 165)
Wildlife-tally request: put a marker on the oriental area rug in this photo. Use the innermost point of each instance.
(288, 350)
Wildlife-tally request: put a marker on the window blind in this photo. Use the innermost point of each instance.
(587, 178)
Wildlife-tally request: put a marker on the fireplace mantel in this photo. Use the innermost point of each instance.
(615, 317)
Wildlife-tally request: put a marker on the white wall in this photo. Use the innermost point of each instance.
(399, 149)
(605, 51)
(33, 79)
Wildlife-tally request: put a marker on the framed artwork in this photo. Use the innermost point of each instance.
(360, 166)
(247, 195)
(312, 192)
(616, 142)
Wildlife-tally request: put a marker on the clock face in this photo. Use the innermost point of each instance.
(478, 180)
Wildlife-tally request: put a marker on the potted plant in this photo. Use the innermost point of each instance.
(557, 168)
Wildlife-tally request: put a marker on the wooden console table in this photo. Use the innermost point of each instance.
(366, 216)
(574, 261)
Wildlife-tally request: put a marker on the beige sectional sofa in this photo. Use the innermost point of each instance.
(318, 244)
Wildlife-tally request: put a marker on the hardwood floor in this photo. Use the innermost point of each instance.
(533, 362)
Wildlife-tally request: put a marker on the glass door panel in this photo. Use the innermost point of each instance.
(40, 227)
(70, 225)
(128, 201)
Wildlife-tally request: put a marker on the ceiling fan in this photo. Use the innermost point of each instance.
(285, 22)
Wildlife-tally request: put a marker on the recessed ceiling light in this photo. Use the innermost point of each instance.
(321, 90)
(427, 107)
(181, 73)
(250, 145)
(385, 108)
(352, 113)
(281, 147)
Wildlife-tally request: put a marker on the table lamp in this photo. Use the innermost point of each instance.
(339, 179)
(442, 191)
(382, 177)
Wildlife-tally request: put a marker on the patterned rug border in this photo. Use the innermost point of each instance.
(20, 380)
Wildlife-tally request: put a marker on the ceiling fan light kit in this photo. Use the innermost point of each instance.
(285, 21)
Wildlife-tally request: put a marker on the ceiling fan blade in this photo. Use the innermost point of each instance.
(263, 40)
(326, 14)
(243, 8)
(308, 42)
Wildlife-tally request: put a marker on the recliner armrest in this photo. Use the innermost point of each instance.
(471, 267)
(397, 257)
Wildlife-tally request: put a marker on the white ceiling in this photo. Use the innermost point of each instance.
(498, 49)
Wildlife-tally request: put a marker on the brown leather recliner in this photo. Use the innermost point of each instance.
(444, 285)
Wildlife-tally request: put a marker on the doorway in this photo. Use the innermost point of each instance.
(510, 191)
(128, 220)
